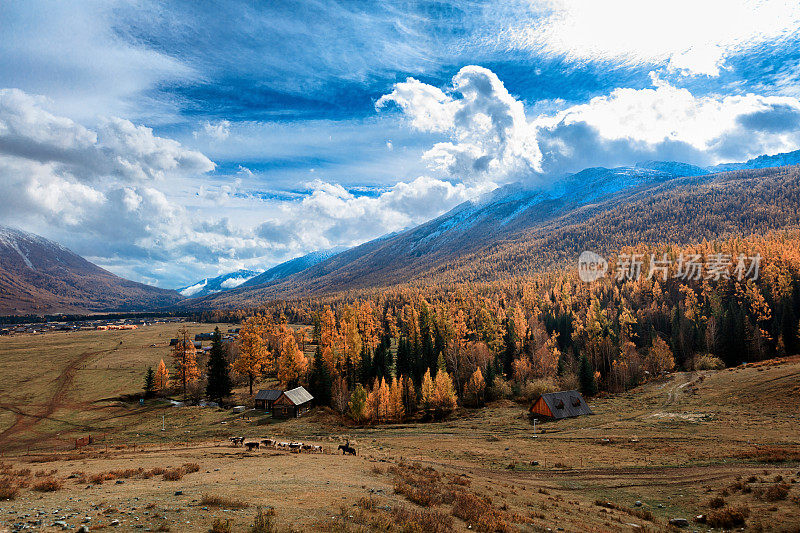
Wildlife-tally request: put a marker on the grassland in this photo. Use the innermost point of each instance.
(705, 443)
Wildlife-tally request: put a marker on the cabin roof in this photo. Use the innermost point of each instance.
(298, 396)
(269, 395)
(565, 404)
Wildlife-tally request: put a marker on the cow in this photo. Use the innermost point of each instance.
(317, 449)
(307, 447)
(237, 440)
(268, 442)
(251, 446)
(282, 444)
(347, 449)
(295, 446)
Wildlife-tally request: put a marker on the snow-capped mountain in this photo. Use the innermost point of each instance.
(762, 161)
(224, 282)
(575, 205)
(40, 276)
(290, 267)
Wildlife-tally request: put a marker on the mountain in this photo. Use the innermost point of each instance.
(517, 229)
(762, 161)
(218, 284)
(290, 267)
(40, 276)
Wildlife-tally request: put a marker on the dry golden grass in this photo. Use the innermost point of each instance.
(47, 484)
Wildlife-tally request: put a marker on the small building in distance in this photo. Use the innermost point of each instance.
(266, 397)
(292, 403)
(558, 405)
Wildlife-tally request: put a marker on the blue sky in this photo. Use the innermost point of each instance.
(170, 143)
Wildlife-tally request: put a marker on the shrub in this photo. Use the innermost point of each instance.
(263, 522)
(8, 488)
(212, 500)
(190, 468)
(776, 492)
(47, 484)
(532, 390)
(771, 454)
(173, 474)
(480, 513)
(221, 526)
(728, 517)
(717, 503)
(500, 389)
(413, 520)
(708, 362)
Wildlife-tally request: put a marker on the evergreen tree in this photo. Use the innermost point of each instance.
(366, 370)
(510, 351)
(219, 385)
(403, 363)
(586, 377)
(320, 380)
(149, 382)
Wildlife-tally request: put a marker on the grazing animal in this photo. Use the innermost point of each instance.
(237, 440)
(251, 446)
(317, 449)
(307, 447)
(347, 449)
(282, 444)
(268, 442)
(296, 446)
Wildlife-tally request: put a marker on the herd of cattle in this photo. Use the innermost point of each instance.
(295, 447)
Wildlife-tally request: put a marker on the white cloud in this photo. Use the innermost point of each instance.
(216, 131)
(688, 36)
(492, 141)
(232, 283)
(490, 137)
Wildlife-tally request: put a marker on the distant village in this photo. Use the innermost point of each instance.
(37, 328)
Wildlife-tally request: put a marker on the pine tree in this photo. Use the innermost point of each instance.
(403, 364)
(320, 379)
(219, 385)
(149, 382)
(586, 377)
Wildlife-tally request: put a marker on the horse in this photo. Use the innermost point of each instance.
(347, 449)
(251, 446)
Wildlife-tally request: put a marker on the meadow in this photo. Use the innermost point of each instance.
(721, 444)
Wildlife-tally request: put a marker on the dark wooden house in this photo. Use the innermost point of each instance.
(265, 399)
(292, 403)
(558, 405)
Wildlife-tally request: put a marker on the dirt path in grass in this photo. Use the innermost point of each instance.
(25, 421)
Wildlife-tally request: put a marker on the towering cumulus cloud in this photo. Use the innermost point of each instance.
(491, 140)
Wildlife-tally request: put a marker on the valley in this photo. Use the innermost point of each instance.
(674, 445)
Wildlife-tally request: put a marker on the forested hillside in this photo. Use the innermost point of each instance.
(518, 232)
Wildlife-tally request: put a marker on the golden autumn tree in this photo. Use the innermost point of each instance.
(253, 356)
(444, 400)
(162, 377)
(475, 389)
(185, 356)
(659, 358)
(292, 363)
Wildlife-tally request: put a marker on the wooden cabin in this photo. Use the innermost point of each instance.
(558, 405)
(292, 403)
(265, 398)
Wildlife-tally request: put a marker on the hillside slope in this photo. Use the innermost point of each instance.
(41, 276)
(517, 230)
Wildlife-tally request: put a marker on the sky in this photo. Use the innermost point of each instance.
(168, 143)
